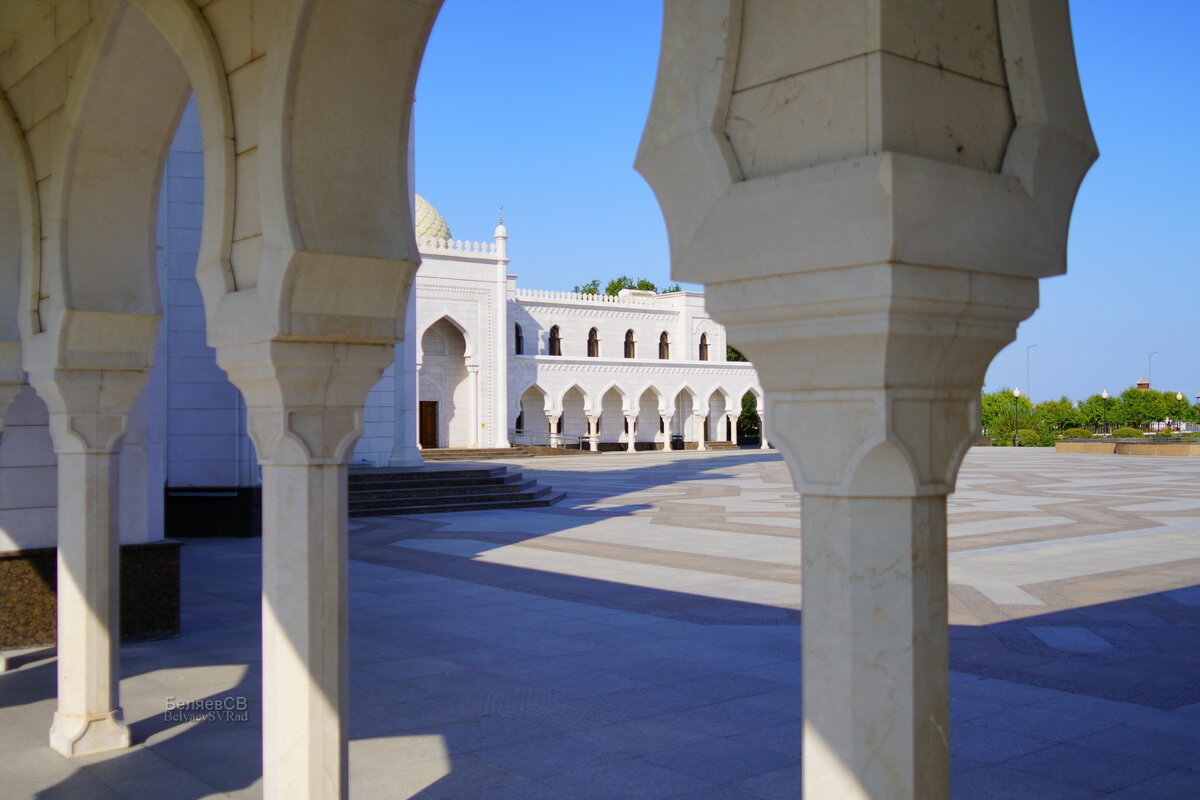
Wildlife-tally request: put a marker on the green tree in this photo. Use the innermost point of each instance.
(615, 286)
(996, 411)
(1059, 414)
(733, 354)
(997, 415)
(1178, 410)
(1096, 410)
(1140, 406)
(749, 426)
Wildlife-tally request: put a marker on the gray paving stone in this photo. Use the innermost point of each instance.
(1068, 763)
(722, 760)
(629, 780)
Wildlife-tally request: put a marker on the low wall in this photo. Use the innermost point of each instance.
(1128, 447)
(1085, 446)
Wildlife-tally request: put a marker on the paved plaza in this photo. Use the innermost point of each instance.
(640, 640)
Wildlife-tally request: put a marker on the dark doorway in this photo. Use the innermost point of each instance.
(429, 424)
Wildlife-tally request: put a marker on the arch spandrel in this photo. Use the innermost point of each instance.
(100, 301)
(339, 251)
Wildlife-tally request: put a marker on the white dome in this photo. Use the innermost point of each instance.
(429, 223)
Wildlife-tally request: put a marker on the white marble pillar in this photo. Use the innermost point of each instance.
(593, 433)
(305, 413)
(631, 432)
(763, 444)
(699, 421)
(406, 451)
(552, 421)
(728, 428)
(473, 384)
(664, 435)
(870, 329)
(88, 415)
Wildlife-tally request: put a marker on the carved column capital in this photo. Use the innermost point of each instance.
(88, 407)
(304, 399)
(872, 373)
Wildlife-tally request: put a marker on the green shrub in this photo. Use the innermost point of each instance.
(1127, 433)
(1031, 438)
(1077, 433)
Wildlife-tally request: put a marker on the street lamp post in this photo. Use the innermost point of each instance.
(1104, 395)
(1016, 417)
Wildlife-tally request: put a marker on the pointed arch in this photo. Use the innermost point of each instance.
(703, 354)
(664, 346)
(630, 344)
(518, 339)
(588, 405)
(593, 344)
(554, 341)
(626, 398)
(655, 391)
(469, 342)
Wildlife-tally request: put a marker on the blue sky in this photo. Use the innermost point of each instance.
(540, 105)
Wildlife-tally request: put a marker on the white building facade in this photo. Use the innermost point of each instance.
(495, 364)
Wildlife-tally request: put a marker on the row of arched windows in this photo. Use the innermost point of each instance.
(593, 343)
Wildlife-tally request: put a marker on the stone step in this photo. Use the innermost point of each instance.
(389, 491)
(545, 497)
(362, 499)
(419, 479)
(473, 454)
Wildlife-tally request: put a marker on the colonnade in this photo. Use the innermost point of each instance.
(906, 173)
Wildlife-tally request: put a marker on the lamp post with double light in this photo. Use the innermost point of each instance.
(1104, 396)
(1016, 417)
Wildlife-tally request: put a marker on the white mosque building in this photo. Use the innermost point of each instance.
(496, 364)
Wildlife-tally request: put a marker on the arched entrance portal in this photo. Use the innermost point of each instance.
(447, 402)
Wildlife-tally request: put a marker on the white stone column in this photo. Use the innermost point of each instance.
(763, 444)
(406, 451)
(88, 414)
(664, 435)
(473, 378)
(552, 421)
(499, 377)
(593, 434)
(698, 425)
(631, 425)
(305, 413)
(899, 254)
(728, 428)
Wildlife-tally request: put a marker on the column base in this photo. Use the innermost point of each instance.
(406, 457)
(73, 735)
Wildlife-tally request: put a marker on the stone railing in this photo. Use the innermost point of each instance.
(458, 247)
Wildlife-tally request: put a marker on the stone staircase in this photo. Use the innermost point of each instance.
(390, 491)
(474, 454)
(720, 446)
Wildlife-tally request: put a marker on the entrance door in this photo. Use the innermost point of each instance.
(429, 419)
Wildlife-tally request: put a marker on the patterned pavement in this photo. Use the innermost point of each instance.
(641, 640)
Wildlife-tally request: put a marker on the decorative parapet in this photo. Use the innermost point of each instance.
(545, 295)
(458, 247)
(665, 365)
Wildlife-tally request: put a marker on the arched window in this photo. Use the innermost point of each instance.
(704, 347)
(555, 342)
(664, 346)
(519, 347)
(593, 346)
(630, 345)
